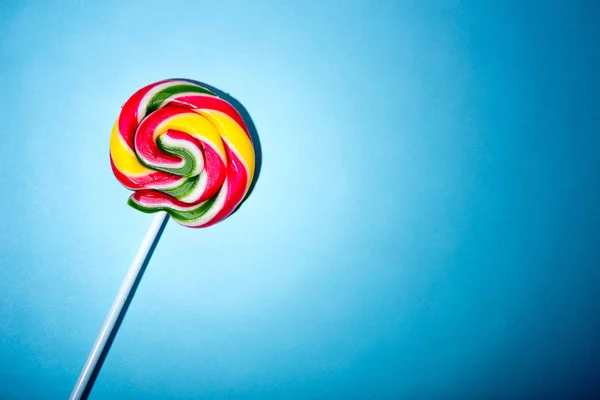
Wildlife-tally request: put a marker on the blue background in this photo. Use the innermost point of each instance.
(425, 225)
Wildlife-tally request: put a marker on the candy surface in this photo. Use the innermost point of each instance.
(184, 150)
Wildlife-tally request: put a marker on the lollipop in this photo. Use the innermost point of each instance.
(185, 152)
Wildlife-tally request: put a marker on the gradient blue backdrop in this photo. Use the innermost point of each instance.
(425, 225)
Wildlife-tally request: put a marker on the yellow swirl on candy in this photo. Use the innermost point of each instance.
(184, 150)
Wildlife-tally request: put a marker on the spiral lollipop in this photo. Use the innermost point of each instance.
(185, 152)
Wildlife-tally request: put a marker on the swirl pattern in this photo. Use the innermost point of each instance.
(184, 150)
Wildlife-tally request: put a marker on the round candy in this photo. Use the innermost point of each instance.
(184, 150)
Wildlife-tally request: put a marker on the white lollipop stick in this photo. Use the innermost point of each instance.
(117, 312)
